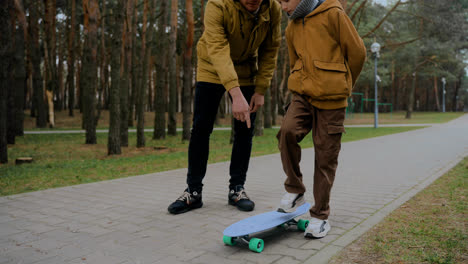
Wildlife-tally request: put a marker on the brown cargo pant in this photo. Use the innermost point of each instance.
(327, 128)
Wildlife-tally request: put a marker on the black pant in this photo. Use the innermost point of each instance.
(207, 98)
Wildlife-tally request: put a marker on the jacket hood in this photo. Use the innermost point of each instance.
(328, 4)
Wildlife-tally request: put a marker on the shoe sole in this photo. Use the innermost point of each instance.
(310, 235)
(292, 209)
(187, 209)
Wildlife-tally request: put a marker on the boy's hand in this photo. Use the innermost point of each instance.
(240, 108)
(256, 102)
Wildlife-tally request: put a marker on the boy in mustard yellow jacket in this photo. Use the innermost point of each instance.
(326, 57)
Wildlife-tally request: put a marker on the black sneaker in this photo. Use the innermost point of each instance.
(238, 197)
(186, 202)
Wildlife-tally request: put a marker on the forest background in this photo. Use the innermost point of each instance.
(129, 57)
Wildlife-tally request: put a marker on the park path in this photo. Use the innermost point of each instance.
(125, 221)
(81, 131)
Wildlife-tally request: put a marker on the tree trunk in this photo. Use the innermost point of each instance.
(161, 69)
(202, 14)
(38, 92)
(172, 117)
(455, 95)
(5, 69)
(127, 37)
(102, 64)
(50, 52)
(89, 75)
(186, 104)
(113, 140)
(11, 108)
(135, 70)
(60, 92)
(20, 72)
(258, 129)
(145, 55)
(71, 58)
(410, 105)
(274, 99)
(436, 94)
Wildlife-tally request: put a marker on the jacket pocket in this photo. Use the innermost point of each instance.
(328, 81)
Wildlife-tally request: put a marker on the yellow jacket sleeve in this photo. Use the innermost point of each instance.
(218, 46)
(291, 50)
(268, 51)
(352, 46)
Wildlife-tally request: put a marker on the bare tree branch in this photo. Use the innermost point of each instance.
(360, 8)
(382, 20)
(394, 45)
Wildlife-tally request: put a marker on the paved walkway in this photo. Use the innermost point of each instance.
(125, 221)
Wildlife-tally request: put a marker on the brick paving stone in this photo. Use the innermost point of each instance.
(26, 255)
(210, 258)
(24, 237)
(51, 260)
(39, 227)
(9, 228)
(170, 259)
(287, 260)
(95, 231)
(315, 244)
(69, 252)
(95, 258)
(262, 258)
(46, 244)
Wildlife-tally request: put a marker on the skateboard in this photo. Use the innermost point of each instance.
(243, 230)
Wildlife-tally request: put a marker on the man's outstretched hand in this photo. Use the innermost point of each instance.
(240, 108)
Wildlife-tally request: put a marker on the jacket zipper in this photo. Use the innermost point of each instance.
(250, 39)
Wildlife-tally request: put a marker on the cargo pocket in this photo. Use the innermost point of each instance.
(330, 81)
(335, 128)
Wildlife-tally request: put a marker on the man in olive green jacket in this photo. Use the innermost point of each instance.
(236, 53)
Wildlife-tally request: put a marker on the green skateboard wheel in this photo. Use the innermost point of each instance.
(302, 224)
(256, 245)
(229, 241)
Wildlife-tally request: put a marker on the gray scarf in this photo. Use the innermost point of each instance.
(304, 8)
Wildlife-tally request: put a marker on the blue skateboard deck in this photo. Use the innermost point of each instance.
(243, 229)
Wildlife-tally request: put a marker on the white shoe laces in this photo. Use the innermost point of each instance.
(186, 196)
(241, 195)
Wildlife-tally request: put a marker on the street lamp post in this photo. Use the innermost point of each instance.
(375, 48)
(443, 94)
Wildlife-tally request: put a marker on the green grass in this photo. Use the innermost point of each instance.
(63, 159)
(429, 228)
(65, 122)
